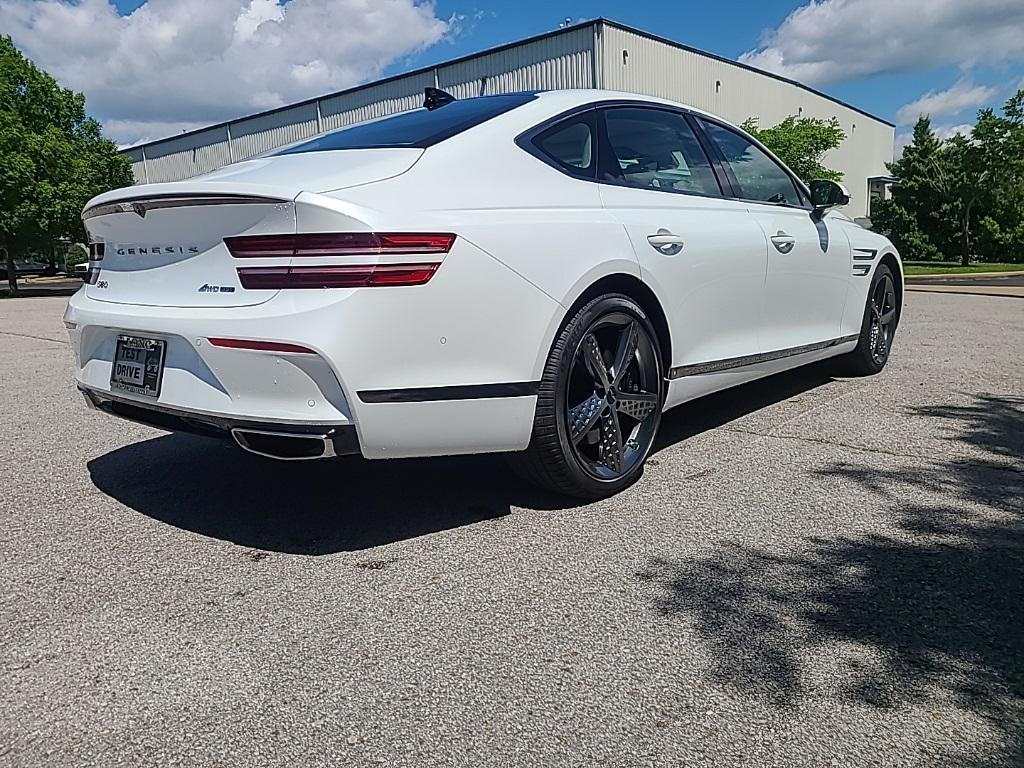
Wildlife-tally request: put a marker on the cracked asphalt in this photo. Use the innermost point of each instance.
(812, 572)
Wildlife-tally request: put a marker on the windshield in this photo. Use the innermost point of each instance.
(418, 128)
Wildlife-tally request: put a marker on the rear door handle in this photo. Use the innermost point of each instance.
(665, 242)
(783, 243)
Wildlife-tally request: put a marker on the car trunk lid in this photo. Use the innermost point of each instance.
(163, 244)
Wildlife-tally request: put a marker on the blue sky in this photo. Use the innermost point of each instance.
(893, 58)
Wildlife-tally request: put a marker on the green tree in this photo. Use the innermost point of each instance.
(801, 143)
(963, 197)
(53, 158)
(912, 217)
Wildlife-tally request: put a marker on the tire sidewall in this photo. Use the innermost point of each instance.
(576, 330)
(864, 345)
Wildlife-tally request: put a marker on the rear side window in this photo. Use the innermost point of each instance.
(759, 177)
(657, 149)
(570, 145)
(419, 128)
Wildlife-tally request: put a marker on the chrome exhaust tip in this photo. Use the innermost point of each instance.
(284, 446)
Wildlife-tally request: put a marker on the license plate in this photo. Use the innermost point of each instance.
(138, 365)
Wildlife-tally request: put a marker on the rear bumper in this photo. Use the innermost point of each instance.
(445, 368)
(307, 441)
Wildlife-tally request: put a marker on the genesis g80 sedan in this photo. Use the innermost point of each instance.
(542, 274)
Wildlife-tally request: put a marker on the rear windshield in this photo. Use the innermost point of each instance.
(419, 128)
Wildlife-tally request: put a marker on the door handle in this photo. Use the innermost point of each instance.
(665, 242)
(783, 243)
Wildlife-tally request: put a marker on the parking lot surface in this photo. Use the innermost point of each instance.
(812, 572)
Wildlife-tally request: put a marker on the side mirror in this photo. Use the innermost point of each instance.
(826, 194)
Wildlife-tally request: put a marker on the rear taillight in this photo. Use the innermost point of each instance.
(353, 276)
(96, 251)
(337, 244)
(346, 246)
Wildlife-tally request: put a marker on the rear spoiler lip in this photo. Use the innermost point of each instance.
(141, 204)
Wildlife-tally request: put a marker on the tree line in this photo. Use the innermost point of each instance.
(53, 159)
(961, 198)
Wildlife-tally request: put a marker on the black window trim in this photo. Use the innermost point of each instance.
(614, 176)
(526, 142)
(726, 181)
(801, 190)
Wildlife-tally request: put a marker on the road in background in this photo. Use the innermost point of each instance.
(811, 572)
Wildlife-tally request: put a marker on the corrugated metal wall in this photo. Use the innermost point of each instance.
(186, 156)
(639, 64)
(561, 61)
(624, 60)
(138, 159)
(254, 135)
(373, 101)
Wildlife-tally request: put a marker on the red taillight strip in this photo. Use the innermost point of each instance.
(337, 244)
(262, 346)
(348, 276)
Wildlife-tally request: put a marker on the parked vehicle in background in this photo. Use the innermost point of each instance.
(25, 267)
(535, 273)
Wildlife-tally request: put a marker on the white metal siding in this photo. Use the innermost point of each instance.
(560, 61)
(137, 158)
(254, 135)
(635, 63)
(181, 158)
(374, 101)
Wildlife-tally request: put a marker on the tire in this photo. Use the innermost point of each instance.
(878, 327)
(573, 449)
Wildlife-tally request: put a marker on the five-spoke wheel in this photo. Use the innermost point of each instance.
(878, 328)
(883, 318)
(613, 392)
(599, 403)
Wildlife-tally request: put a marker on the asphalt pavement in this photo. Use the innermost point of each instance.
(812, 572)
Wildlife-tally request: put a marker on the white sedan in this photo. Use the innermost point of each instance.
(542, 274)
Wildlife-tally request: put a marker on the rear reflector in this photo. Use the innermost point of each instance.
(348, 276)
(262, 346)
(337, 244)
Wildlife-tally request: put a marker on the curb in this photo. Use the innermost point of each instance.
(967, 290)
(963, 276)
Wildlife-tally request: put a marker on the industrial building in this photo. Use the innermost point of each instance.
(594, 54)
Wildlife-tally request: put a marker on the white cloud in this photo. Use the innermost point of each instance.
(954, 100)
(949, 131)
(175, 64)
(831, 40)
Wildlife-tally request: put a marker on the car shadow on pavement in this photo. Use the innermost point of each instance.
(936, 604)
(213, 488)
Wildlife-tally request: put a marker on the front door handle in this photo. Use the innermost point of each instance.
(783, 243)
(665, 242)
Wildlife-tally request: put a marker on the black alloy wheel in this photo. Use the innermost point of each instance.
(878, 327)
(599, 404)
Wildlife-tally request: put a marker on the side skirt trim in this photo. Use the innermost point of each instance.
(713, 366)
(465, 392)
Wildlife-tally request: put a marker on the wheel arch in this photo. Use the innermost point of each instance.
(890, 260)
(642, 294)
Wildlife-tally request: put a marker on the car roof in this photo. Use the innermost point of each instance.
(571, 97)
